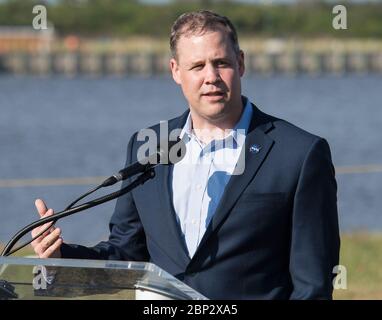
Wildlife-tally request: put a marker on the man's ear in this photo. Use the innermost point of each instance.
(175, 71)
(241, 63)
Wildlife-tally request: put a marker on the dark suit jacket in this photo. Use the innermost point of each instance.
(274, 234)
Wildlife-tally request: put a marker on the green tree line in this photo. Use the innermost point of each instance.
(130, 17)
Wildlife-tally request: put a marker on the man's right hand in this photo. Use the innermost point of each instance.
(48, 244)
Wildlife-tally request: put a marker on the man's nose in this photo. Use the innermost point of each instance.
(212, 74)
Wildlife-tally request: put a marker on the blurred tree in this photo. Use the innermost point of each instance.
(130, 17)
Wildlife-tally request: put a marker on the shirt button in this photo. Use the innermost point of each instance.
(198, 186)
(193, 221)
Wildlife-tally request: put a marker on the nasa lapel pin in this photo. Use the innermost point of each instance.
(254, 148)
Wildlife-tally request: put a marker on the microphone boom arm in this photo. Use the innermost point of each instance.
(150, 174)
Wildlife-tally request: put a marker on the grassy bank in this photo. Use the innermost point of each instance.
(361, 254)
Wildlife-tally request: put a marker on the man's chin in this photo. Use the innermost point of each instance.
(216, 103)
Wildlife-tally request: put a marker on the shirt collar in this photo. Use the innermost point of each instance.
(238, 133)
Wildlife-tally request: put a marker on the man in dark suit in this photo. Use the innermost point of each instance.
(251, 217)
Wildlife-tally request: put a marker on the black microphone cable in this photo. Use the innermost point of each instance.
(150, 174)
(54, 221)
(108, 182)
(135, 168)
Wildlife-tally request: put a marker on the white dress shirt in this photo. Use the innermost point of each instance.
(199, 179)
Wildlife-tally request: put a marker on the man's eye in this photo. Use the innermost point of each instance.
(223, 63)
(197, 67)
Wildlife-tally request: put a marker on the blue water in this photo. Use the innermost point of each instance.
(59, 128)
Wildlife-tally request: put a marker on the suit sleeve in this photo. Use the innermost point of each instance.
(315, 241)
(127, 240)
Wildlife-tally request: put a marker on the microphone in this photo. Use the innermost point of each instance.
(167, 153)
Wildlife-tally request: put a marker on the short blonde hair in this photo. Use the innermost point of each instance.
(198, 22)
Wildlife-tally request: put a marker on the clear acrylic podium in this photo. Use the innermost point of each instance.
(33, 278)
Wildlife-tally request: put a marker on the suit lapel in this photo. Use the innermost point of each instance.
(173, 231)
(237, 183)
(260, 124)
